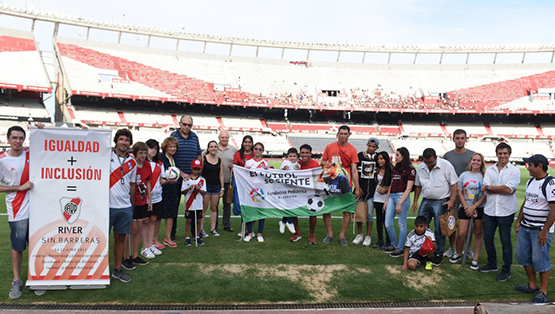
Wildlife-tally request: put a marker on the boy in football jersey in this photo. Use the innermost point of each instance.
(415, 254)
(194, 190)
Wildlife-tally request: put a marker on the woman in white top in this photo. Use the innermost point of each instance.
(383, 175)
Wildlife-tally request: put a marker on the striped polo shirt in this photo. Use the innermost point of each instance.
(187, 150)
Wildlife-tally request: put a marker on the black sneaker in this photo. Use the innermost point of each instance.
(121, 275)
(128, 264)
(139, 261)
(188, 241)
(199, 241)
(390, 249)
(378, 245)
(503, 276)
(397, 253)
(488, 268)
(437, 259)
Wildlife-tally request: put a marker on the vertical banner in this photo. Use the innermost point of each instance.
(69, 208)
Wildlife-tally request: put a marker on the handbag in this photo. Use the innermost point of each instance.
(448, 223)
(361, 213)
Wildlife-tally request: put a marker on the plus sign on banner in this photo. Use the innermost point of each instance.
(69, 214)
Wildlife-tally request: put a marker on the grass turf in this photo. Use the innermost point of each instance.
(227, 271)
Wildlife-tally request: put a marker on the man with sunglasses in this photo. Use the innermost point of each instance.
(188, 149)
(123, 169)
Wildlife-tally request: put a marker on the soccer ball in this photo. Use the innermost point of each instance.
(315, 203)
(172, 173)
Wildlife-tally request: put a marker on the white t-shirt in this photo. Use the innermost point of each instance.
(379, 198)
(194, 201)
(470, 185)
(14, 171)
(292, 166)
(414, 241)
(155, 185)
(125, 167)
(536, 206)
(256, 164)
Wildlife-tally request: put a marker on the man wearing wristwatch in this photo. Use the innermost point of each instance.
(500, 183)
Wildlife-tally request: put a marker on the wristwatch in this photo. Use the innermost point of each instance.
(486, 188)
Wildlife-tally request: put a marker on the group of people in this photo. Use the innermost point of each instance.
(141, 195)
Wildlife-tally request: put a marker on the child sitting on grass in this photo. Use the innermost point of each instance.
(415, 254)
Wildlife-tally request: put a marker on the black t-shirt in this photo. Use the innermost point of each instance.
(366, 169)
(211, 172)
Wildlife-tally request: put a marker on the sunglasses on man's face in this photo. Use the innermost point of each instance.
(187, 124)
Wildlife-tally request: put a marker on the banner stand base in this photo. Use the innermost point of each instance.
(74, 287)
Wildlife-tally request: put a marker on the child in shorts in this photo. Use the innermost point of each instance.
(413, 245)
(289, 164)
(194, 190)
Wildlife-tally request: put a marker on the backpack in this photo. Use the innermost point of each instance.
(544, 185)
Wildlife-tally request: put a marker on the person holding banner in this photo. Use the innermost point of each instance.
(123, 169)
(241, 156)
(256, 162)
(14, 175)
(344, 155)
(170, 190)
(306, 162)
(157, 179)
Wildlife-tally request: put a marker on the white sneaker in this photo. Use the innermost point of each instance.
(281, 227)
(147, 253)
(449, 252)
(358, 239)
(247, 238)
(260, 239)
(367, 241)
(290, 227)
(155, 251)
(470, 253)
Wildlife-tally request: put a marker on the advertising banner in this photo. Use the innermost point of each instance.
(69, 213)
(277, 193)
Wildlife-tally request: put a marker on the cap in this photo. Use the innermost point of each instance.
(196, 164)
(536, 160)
(373, 140)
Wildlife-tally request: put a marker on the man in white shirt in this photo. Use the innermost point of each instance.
(123, 169)
(534, 228)
(436, 180)
(14, 176)
(500, 183)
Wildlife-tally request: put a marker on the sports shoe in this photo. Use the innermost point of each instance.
(437, 259)
(204, 234)
(470, 253)
(188, 242)
(296, 237)
(389, 249)
(358, 239)
(503, 276)
(343, 242)
(397, 253)
(128, 264)
(474, 265)
(540, 298)
(428, 265)
(199, 241)
(449, 252)
(327, 239)
(215, 233)
(367, 241)
(39, 292)
(147, 253)
(488, 268)
(290, 227)
(526, 288)
(155, 251)
(377, 245)
(228, 229)
(260, 239)
(170, 244)
(311, 239)
(118, 273)
(281, 227)
(139, 261)
(15, 291)
(455, 258)
(247, 238)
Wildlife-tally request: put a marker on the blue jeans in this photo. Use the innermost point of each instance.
(370, 209)
(19, 234)
(260, 226)
(394, 199)
(434, 208)
(505, 225)
(529, 252)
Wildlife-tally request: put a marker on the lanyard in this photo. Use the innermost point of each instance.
(122, 181)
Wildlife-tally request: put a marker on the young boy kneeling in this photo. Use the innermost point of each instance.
(414, 252)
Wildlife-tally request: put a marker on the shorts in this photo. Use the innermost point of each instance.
(416, 255)
(157, 209)
(19, 234)
(190, 214)
(529, 252)
(141, 212)
(213, 189)
(462, 215)
(120, 220)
